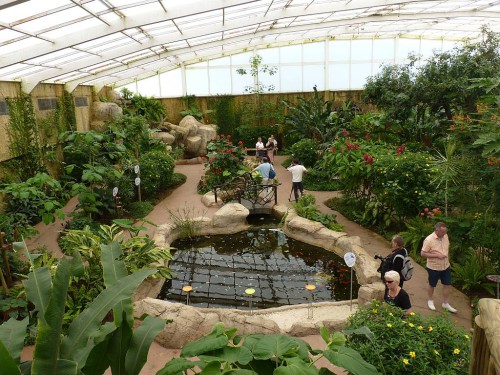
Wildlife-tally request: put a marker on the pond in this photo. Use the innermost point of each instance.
(220, 269)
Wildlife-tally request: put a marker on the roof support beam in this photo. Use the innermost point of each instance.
(79, 37)
(30, 82)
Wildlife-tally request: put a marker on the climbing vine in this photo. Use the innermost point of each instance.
(24, 137)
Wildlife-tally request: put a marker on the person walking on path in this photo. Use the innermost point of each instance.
(270, 150)
(435, 249)
(264, 168)
(297, 172)
(393, 262)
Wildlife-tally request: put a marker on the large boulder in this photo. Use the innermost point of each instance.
(193, 144)
(164, 137)
(103, 112)
(231, 215)
(191, 124)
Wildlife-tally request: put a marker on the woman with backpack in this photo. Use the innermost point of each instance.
(396, 259)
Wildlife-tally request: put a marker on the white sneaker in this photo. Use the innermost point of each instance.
(448, 307)
(430, 303)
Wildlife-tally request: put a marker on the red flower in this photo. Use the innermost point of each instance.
(332, 149)
(367, 136)
(344, 132)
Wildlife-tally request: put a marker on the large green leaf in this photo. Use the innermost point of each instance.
(276, 345)
(117, 348)
(241, 371)
(241, 355)
(142, 338)
(49, 330)
(177, 366)
(212, 368)
(12, 334)
(74, 345)
(351, 360)
(98, 361)
(113, 270)
(217, 339)
(8, 364)
(365, 331)
(296, 366)
(38, 287)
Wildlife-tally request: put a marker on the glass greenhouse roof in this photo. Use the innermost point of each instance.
(111, 42)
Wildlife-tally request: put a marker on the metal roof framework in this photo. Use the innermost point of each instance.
(115, 42)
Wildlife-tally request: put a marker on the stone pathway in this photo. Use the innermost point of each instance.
(186, 199)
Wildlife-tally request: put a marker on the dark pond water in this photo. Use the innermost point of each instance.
(221, 268)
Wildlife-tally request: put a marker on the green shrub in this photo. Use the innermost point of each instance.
(157, 169)
(249, 134)
(410, 344)
(223, 352)
(306, 151)
(317, 180)
(306, 207)
(138, 210)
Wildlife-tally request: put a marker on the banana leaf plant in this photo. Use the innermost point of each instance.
(89, 347)
(220, 352)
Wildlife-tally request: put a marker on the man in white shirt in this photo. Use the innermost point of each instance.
(297, 171)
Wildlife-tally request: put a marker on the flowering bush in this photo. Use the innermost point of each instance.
(409, 344)
(223, 162)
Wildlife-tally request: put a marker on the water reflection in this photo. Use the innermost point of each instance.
(221, 268)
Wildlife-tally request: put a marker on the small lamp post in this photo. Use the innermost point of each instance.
(310, 287)
(250, 292)
(187, 289)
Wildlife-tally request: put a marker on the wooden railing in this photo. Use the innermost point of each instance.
(245, 189)
(485, 358)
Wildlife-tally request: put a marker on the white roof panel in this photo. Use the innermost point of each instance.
(58, 40)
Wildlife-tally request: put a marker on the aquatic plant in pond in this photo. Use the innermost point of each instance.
(220, 269)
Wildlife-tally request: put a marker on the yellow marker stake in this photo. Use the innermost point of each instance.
(310, 287)
(187, 289)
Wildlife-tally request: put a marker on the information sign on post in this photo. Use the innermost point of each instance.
(136, 169)
(350, 260)
(115, 191)
(137, 181)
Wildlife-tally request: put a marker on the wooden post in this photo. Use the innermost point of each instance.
(485, 357)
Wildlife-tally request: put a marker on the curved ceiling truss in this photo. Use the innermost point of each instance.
(110, 42)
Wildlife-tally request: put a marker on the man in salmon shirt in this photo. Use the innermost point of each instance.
(436, 250)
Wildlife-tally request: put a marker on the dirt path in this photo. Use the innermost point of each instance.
(186, 197)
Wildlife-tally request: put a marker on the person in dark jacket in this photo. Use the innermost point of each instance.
(394, 294)
(393, 262)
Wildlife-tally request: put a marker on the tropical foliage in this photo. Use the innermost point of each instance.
(89, 346)
(222, 351)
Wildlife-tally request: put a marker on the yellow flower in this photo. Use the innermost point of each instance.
(436, 352)
(412, 354)
(467, 337)
(391, 314)
(411, 325)
(412, 314)
(389, 325)
(420, 327)
(403, 321)
(429, 329)
(456, 351)
(374, 311)
(405, 361)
